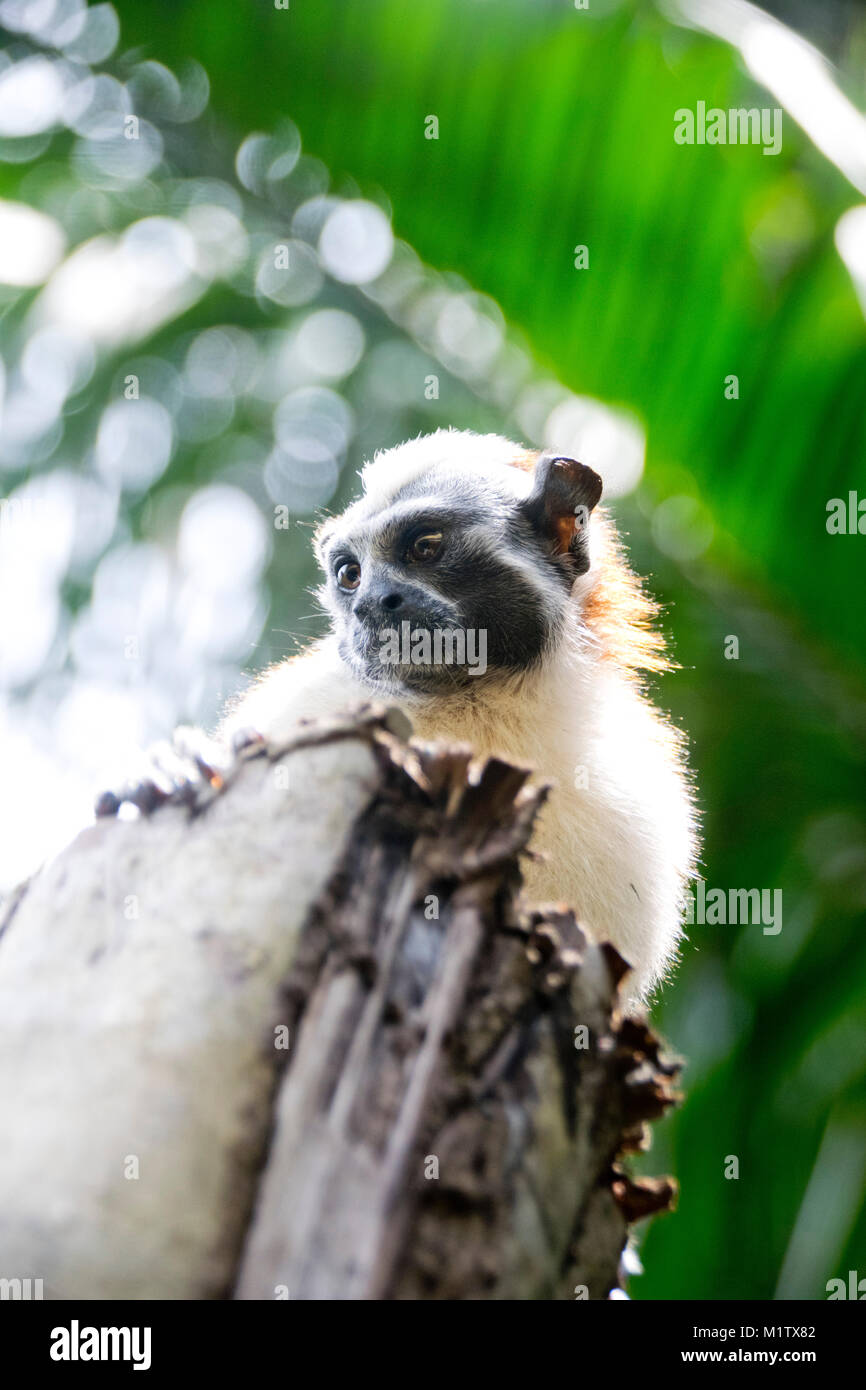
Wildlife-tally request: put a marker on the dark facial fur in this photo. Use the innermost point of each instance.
(490, 601)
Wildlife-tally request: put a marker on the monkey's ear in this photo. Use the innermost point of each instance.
(563, 494)
(321, 537)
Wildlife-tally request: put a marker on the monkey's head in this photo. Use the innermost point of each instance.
(458, 563)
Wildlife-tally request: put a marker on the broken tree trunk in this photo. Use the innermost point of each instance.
(305, 1041)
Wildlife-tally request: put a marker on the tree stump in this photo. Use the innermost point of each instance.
(304, 1039)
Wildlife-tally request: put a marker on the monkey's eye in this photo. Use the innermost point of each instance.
(426, 547)
(349, 575)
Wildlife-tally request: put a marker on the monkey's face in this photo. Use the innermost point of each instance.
(455, 576)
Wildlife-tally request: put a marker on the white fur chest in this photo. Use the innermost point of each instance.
(615, 838)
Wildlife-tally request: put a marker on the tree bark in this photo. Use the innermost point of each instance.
(305, 1040)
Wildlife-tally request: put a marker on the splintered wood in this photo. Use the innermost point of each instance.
(339, 1056)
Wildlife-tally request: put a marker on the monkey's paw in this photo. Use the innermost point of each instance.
(189, 769)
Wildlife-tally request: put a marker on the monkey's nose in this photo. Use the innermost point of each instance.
(373, 604)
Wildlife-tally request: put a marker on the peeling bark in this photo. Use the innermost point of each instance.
(436, 1127)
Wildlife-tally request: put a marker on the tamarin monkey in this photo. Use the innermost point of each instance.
(478, 586)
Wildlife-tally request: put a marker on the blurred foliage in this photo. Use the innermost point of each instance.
(555, 129)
